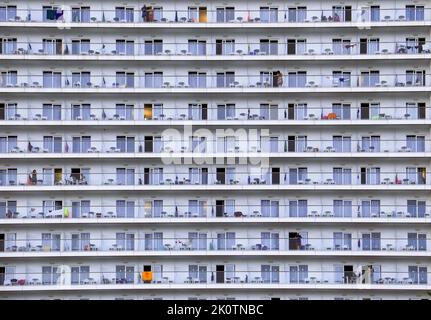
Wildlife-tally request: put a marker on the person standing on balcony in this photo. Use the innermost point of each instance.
(34, 177)
(144, 13)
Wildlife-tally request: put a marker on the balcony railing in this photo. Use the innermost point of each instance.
(302, 276)
(275, 146)
(269, 81)
(208, 244)
(240, 211)
(203, 15)
(209, 112)
(185, 179)
(264, 48)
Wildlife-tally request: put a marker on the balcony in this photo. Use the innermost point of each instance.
(237, 50)
(275, 179)
(204, 279)
(209, 114)
(163, 17)
(414, 82)
(157, 147)
(211, 212)
(273, 245)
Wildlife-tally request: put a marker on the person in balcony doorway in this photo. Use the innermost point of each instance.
(279, 79)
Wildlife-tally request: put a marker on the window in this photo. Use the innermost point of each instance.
(81, 144)
(124, 274)
(370, 78)
(296, 111)
(52, 13)
(124, 111)
(297, 175)
(52, 144)
(197, 47)
(80, 14)
(341, 79)
(416, 208)
(8, 13)
(415, 13)
(371, 241)
(153, 79)
(341, 46)
(297, 79)
(341, 13)
(197, 79)
(268, 111)
(81, 208)
(269, 47)
(268, 14)
(270, 208)
(270, 273)
(153, 241)
(298, 273)
(198, 208)
(371, 144)
(342, 143)
(341, 110)
(342, 241)
(125, 209)
(342, 176)
(53, 46)
(51, 111)
(50, 275)
(125, 47)
(126, 144)
(413, 45)
(226, 14)
(125, 176)
(124, 14)
(369, 46)
(225, 79)
(415, 110)
(8, 143)
(418, 274)
(270, 241)
(296, 46)
(9, 78)
(297, 14)
(125, 241)
(8, 111)
(298, 208)
(198, 273)
(226, 111)
(51, 79)
(153, 47)
(198, 111)
(417, 241)
(415, 77)
(198, 240)
(81, 79)
(370, 208)
(8, 177)
(125, 80)
(81, 111)
(342, 208)
(415, 143)
(51, 242)
(226, 241)
(416, 175)
(225, 46)
(8, 45)
(80, 274)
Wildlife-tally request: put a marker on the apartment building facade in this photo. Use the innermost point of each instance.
(212, 150)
